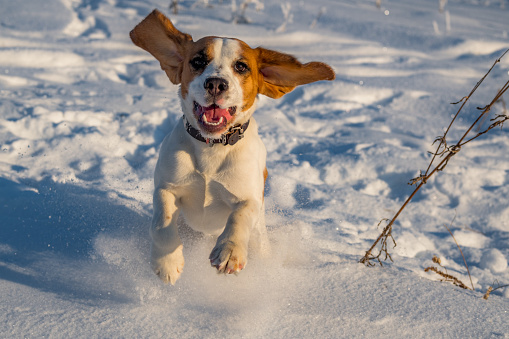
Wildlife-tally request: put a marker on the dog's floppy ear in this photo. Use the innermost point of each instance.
(281, 73)
(157, 35)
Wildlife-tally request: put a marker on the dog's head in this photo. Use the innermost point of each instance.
(221, 77)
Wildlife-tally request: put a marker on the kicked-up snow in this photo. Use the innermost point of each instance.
(83, 113)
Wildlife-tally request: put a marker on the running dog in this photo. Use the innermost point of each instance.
(211, 167)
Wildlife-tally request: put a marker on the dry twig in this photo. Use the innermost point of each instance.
(386, 234)
(464, 261)
(447, 277)
(491, 289)
(445, 153)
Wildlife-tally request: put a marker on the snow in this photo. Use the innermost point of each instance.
(494, 260)
(82, 116)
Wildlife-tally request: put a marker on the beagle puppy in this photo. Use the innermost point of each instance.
(211, 168)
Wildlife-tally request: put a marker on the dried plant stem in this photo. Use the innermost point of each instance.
(446, 153)
(447, 277)
(487, 294)
(491, 289)
(386, 233)
(473, 289)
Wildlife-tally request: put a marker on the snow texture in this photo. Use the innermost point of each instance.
(83, 113)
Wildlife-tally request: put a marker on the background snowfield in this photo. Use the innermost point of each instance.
(83, 112)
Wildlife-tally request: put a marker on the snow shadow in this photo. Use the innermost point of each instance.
(47, 236)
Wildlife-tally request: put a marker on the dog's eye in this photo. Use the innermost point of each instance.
(198, 63)
(241, 67)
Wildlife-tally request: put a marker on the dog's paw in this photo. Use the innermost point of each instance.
(228, 257)
(168, 267)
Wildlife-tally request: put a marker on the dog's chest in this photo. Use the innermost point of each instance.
(201, 190)
(208, 182)
(204, 201)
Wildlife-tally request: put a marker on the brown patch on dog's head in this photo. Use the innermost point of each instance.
(243, 72)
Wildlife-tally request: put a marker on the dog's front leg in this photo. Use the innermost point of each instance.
(167, 259)
(230, 253)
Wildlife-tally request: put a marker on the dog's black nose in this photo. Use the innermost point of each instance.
(216, 86)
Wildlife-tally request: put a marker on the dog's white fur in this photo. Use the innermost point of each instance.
(219, 190)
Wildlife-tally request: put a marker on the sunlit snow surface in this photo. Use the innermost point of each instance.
(82, 115)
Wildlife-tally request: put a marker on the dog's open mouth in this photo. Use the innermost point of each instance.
(213, 118)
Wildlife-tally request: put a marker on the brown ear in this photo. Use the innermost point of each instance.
(157, 35)
(281, 72)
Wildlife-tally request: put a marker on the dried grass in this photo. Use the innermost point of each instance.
(447, 276)
(443, 153)
(491, 289)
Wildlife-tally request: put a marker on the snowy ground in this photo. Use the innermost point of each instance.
(83, 112)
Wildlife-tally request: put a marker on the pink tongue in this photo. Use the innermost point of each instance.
(214, 113)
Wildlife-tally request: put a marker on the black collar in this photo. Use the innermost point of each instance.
(234, 134)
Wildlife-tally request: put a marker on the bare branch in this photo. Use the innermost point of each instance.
(444, 152)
